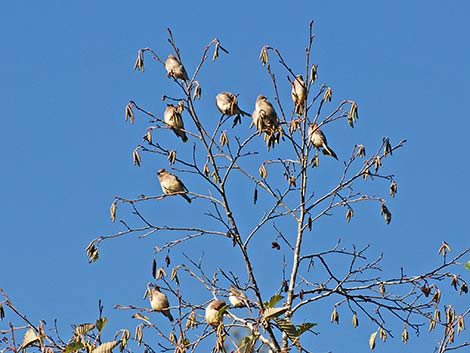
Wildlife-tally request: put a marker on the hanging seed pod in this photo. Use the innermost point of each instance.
(160, 273)
(437, 315)
(436, 297)
(334, 316)
(313, 73)
(216, 52)
(255, 196)
(262, 171)
(383, 334)
(197, 91)
(460, 324)
(327, 95)
(372, 340)
(361, 151)
(316, 161)
(355, 321)
(377, 164)
(382, 288)
(386, 213)
(309, 223)
(191, 322)
(136, 156)
(450, 314)
(353, 114)
(206, 170)
(92, 252)
(404, 334)
(263, 56)
(432, 324)
(450, 337)
(130, 113)
(463, 288)
(454, 281)
(167, 260)
(112, 210)
(349, 214)
(154, 268)
(444, 249)
(223, 138)
(139, 62)
(387, 146)
(139, 334)
(393, 188)
(171, 157)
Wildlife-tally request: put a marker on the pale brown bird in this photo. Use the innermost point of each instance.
(264, 116)
(227, 103)
(237, 298)
(213, 317)
(299, 94)
(175, 69)
(174, 120)
(171, 184)
(159, 301)
(317, 138)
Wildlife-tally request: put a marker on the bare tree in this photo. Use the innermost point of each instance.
(221, 168)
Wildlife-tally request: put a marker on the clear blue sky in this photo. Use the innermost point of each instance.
(66, 75)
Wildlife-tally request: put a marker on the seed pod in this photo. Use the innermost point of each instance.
(223, 138)
(355, 321)
(463, 288)
(450, 314)
(191, 322)
(372, 340)
(444, 249)
(263, 56)
(139, 334)
(404, 334)
(393, 188)
(255, 196)
(349, 214)
(437, 315)
(139, 62)
(316, 161)
(136, 156)
(112, 210)
(130, 113)
(377, 164)
(436, 297)
(327, 95)
(262, 171)
(432, 324)
(361, 151)
(387, 146)
(313, 73)
(353, 114)
(309, 222)
(383, 334)
(382, 288)
(460, 324)
(206, 170)
(216, 52)
(171, 157)
(335, 316)
(154, 268)
(197, 91)
(160, 273)
(386, 213)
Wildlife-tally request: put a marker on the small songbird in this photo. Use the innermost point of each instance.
(317, 138)
(264, 116)
(227, 103)
(174, 120)
(171, 184)
(159, 301)
(237, 298)
(175, 69)
(213, 317)
(299, 94)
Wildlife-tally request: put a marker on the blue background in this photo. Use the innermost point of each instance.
(66, 75)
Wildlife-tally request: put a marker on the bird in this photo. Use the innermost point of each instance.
(159, 301)
(171, 184)
(172, 117)
(213, 317)
(237, 298)
(227, 103)
(317, 138)
(175, 69)
(264, 116)
(299, 94)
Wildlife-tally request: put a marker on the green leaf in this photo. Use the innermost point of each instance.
(467, 265)
(100, 323)
(83, 328)
(305, 326)
(271, 313)
(273, 300)
(73, 346)
(288, 327)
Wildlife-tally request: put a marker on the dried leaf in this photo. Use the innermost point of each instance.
(29, 338)
(101, 323)
(270, 313)
(148, 136)
(73, 347)
(83, 328)
(105, 347)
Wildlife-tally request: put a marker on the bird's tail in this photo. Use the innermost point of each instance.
(243, 113)
(329, 151)
(181, 134)
(168, 315)
(186, 197)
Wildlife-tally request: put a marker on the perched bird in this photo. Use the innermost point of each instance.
(317, 138)
(237, 298)
(175, 69)
(264, 116)
(228, 105)
(171, 184)
(159, 302)
(173, 119)
(299, 94)
(213, 317)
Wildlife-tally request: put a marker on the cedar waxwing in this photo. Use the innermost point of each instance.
(299, 94)
(173, 119)
(213, 316)
(159, 301)
(237, 298)
(228, 105)
(171, 184)
(264, 115)
(175, 69)
(318, 139)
